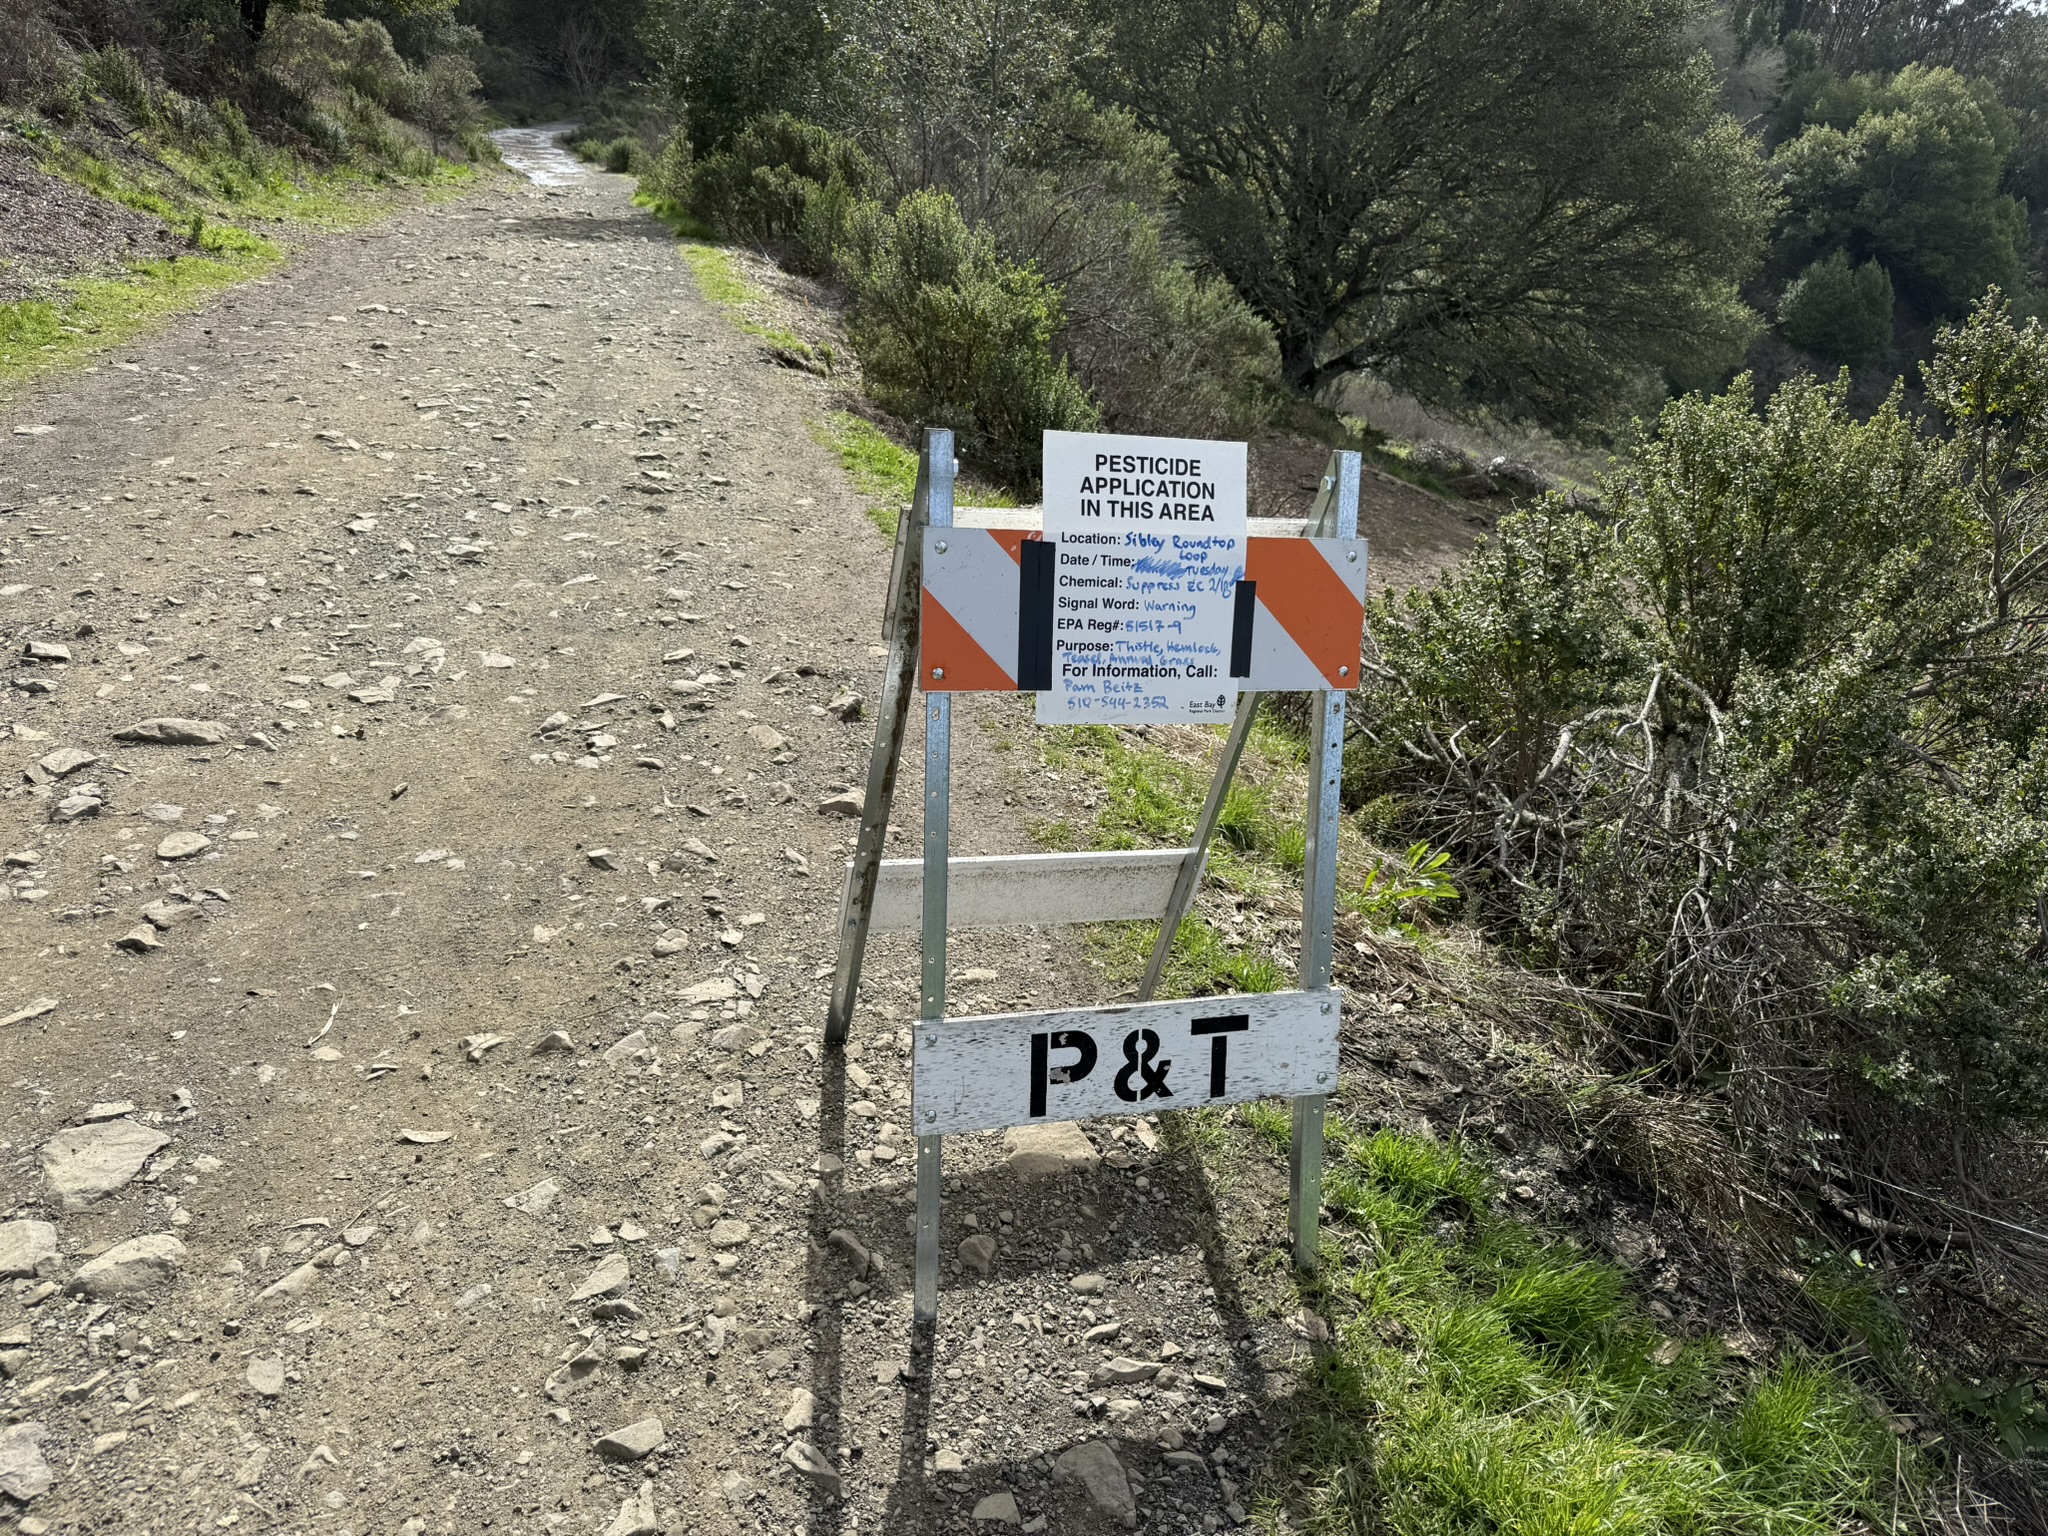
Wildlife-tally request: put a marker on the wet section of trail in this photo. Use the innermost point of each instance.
(426, 704)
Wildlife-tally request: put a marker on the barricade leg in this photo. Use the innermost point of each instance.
(938, 764)
(856, 907)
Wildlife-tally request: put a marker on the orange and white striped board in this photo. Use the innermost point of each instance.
(987, 613)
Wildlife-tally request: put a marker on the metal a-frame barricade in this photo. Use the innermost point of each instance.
(1300, 621)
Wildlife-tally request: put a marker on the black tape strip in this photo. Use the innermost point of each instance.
(1034, 614)
(1241, 628)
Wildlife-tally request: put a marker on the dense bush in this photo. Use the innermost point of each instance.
(118, 75)
(1841, 311)
(758, 186)
(1160, 348)
(950, 333)
(1910, 171)
(1763, 753)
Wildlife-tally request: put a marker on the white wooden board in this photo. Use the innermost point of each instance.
(1018, 889)
(998, 1070)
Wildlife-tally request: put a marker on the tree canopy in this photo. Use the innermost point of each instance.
(1545, 221)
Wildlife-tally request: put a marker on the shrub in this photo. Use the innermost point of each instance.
(1838, 311)
(118, 75)
(32, 55)
(758, 186)
(1762, 752)
(667, 177)
(952, 335)
(624, 156)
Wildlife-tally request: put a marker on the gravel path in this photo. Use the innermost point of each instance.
(428, 1129)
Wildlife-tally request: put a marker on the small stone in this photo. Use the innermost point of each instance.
(131, 1268)
(636, 1516)
(999, 1507)
(171, 731)
(474, 1046)
(140, 940)
(855, 1250)
(633, 1441)
(24, 1475)
(23, 1246)
(183, 845)
(802, 1408)
(167, 912)
(609, 1276)
(424, 1138)
(554, 1040)
(846, 706)
(1086, 1285)
(1094, 1466)
(266, 1375)
(729, 1234)
(84, 1162)
(814, 1465)
(46, 650)
(736, 1037)
(1041, 1151)
(1123, 1371)
(629, 1049)
(978, 1253)
(850, 803)
(67, 760)
(767, 738)
(673, 942)
(601, 858)
(537, 1200)
(736, 1487)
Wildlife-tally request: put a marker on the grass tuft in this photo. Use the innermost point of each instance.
(883, 471)
(1486, 1378)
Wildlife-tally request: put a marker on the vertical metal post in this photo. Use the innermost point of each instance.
(900, 624)
(1184, 883)
(1338, 506)
(931, 1012)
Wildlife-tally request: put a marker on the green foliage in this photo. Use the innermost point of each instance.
(1909, 172)
(1534, 228)
(2015, 1417)
(1840, 311)
(759, 186)
(881, 470)
(666, 179)
(1485, 1378)
(624, 156)
(951, 334)
(1851, 1304)
(1394, 891)
(118, 75)
(727, 63)
(1765, 749)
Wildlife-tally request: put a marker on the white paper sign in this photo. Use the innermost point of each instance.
(1150, 534)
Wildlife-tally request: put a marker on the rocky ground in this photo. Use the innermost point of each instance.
(429, 676)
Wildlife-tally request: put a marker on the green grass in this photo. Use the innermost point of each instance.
(720, 281)
(96, 313)
(192, 193)
(1487, 1379)
(883, 471)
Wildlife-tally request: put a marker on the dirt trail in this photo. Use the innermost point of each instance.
(519, 590)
